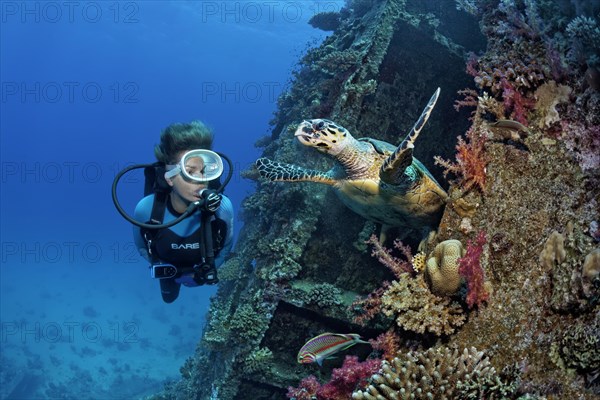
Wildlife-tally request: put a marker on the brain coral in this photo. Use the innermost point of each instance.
(442, 267)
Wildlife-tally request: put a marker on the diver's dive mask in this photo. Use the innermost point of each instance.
(198, 165)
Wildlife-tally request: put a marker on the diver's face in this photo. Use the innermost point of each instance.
(185, 190)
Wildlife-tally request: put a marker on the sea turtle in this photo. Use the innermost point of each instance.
(377, 180)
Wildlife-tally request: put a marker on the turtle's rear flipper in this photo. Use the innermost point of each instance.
(393, 167)
(281, 172)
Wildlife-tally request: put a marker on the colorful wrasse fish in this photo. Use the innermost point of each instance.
(323, 346)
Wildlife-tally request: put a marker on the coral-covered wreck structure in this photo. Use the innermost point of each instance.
(502, 301)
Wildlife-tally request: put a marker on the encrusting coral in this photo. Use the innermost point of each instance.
(554, 251)
(579, 347)
(441, 271)
(258, 361)
(590, 274)
(436, 374)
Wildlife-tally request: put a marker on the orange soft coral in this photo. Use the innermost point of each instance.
(471, 162)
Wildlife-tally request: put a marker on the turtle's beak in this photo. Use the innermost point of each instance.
(305, 130)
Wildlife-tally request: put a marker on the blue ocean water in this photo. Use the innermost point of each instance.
(87, 88)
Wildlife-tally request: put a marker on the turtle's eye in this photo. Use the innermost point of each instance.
(319, 126)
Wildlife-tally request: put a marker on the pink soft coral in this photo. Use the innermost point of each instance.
(307, 390)
(470, 268)
(396, 265)
(345, 380)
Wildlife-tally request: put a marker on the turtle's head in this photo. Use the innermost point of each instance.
(324, 135)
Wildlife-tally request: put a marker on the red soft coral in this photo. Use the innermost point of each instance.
(345, 380)
(470, 268)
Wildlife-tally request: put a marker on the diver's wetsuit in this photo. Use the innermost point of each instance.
(180, 244)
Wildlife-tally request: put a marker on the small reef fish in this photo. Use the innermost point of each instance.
(323, 346)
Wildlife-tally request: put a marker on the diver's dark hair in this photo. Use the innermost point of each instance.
(180, 137)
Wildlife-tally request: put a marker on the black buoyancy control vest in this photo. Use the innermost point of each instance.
(164, 244)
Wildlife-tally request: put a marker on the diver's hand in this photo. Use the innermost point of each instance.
(212, 200)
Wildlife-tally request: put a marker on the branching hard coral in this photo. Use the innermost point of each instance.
(470, 268)
(522, 75)
(585, 39)
(442, 272)
(217, 333)
(337, 62)
(440, 374)
(471, 161)
(511, 82)
(416, 309)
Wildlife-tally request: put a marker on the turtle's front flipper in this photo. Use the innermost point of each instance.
(394, 166)
(281, 172)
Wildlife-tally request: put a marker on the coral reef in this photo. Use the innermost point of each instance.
(527, 166)
(437, 374)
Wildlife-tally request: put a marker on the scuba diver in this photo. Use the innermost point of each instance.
(184, 225)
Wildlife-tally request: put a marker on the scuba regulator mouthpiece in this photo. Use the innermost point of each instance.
(197, 165)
